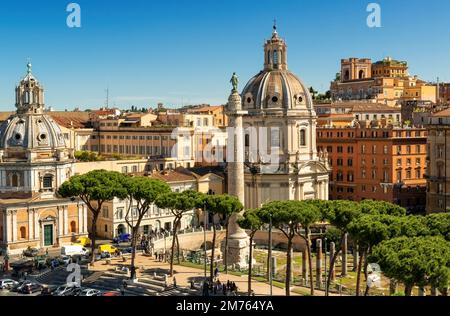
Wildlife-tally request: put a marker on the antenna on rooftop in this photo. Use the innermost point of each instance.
(107, 98)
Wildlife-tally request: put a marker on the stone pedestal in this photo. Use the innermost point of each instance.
(238, 252)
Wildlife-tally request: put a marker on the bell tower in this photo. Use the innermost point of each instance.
(275, 52)
(29, 94)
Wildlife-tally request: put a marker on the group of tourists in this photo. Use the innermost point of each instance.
(218, 288)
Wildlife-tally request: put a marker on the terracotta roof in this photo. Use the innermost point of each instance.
(206, 109)
(71, 119)
(63, 118)
(442, 113)
(170, 176)
(374, 107)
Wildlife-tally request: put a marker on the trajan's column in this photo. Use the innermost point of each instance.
(238, 241)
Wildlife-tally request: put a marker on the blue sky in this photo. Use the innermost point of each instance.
(184, 52)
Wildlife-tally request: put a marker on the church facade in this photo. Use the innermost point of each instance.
(279, 121)
(34, 162)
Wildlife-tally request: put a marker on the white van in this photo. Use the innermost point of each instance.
(74, 250)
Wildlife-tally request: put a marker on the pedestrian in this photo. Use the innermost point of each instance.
(174, 282)
(224, 289)
(216, 272)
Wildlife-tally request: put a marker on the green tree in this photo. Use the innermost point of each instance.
(381, 207)
(142, 193)
(439, 224)
(308, 214)
(414, 261)
(178, 204)
(220, 205)
(340, 215)
(251, 222)
(287, 216)
(94, 189)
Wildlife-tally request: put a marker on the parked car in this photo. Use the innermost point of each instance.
(30, 252)
(65, 260)
(65, 290)
(107, 248)
(111, 293)
(90, 292)
(31, 288)
(7, 283)
(18, 287)
(122, 238)
(82, 241)
(48, 290)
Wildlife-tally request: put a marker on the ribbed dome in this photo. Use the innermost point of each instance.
(31, 132)
(276, 89)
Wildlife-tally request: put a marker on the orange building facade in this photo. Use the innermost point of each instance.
(376, 163)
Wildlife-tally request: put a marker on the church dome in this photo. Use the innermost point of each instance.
(276, 87)
(31, 131)
(30, 127)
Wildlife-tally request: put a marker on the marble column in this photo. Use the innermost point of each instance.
(319, 263)
(85, 218)
(332, 252)
(14, 226)
(60, 222)
(344, 256)
(238, 243)
(80, 219)
(9, 234)
(66, 220)
(304, 265)
(30, 224)
(36, 224)
(355, 257)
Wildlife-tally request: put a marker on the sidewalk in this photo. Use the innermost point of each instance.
(184, 275)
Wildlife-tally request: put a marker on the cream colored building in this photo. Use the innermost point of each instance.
(438, 160)
(112, 222)
(278, 108)
(34, 161)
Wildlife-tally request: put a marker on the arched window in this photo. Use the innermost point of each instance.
(275, 57)
(23, 232)
(247, 140)
(268, 57)
(302, 137)
(15, 180)
(47, 182)
(347, 75)
(73, 227)
(361, 74)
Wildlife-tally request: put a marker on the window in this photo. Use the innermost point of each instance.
(23, 232)
(350, 149)
(47, 182)
(408, 149)
(408, 174)
(340, 149)
(399, 150)
(302, 137)
(350, 162)
(275, 137)
(73, 227)
(106, 228)
(15, 180)
(418, 174)
(340, 162)
(417, 161)
(125, 169)
(119, 213)
(385, 149)
(399, 162)
(105, 212)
